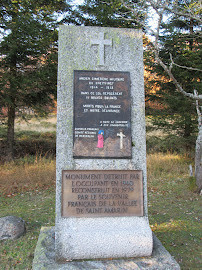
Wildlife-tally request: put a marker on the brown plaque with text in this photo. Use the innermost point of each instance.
(102, 114)
(99, 193)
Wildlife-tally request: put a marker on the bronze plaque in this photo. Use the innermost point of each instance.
(102, 193)
(102, 114)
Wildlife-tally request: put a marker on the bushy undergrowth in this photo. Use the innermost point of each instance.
(34, 138)
(172, 144)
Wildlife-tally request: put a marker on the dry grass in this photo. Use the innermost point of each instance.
(22, 175)
(32, 138)
(160, 163)
(28, 188)
(174, 209)
(37, 124)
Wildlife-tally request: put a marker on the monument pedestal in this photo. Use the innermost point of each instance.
(104, 238)
(44, 257)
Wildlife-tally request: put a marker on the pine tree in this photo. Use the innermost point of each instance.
(170, 56)
(179, 38)
(180, 41)
(28, 56)
(108, 14)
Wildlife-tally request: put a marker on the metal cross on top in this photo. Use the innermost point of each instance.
(121, 135)
(101, 42)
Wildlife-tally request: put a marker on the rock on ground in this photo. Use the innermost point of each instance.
(11, 227)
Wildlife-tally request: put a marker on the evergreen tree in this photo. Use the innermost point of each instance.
(28, 59)
(108, 14)
(180, 42)
(177, 49)
(179, 37)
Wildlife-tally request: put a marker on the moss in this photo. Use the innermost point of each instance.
(192, 183)
(116, 39)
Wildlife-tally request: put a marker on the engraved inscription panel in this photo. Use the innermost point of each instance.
(102, 114)
(102, 193)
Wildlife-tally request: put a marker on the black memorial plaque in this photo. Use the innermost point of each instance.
(100, 193)
(102, 114)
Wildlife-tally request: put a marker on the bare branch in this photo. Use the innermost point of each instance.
(124, 18)
(154, 6)
(188, 14)
(189, 68)
(141, 23)
(160, 7)
(176, 83)
(171, 62)
(198, 111)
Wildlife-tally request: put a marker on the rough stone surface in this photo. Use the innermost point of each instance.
(78, 238)
(11, 227)
(45, 254)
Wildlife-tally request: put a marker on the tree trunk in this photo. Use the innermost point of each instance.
(187, 125)
(10, 132)
(198, 160)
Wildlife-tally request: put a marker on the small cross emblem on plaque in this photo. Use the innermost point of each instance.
(102, 43)
(121, 135)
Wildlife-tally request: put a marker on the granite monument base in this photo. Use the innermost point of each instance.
(44, 258)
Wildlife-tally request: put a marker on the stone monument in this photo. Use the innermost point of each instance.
(101, 188)
(101, 197)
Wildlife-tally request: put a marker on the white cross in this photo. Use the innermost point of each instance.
(101, 42)
(121, 135)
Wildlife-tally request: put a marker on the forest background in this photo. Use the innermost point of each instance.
(28, 71)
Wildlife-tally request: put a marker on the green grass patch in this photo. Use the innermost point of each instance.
(174, 210)
(192, 184)
(37, 209)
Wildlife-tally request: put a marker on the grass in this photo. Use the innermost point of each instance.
(173, 208)
(34, 137)
(37, 124)
(28, 191)
(37, 209)
(161, 141)
(27, 174)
